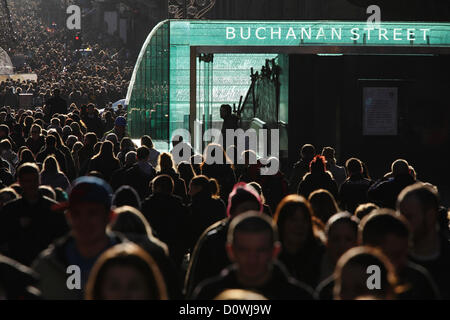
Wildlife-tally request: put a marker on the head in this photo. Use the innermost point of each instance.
(120, 124)
(388, 231)
(200, 185)
(7, 194)
(50, 141)
(252, 245)
(125, 272)
(243, 198)
(162, 184)
(225, 111)
(165, 161)
(47, 191)
(147, 141)
(419, 204)
(342, 234)
(329, 154)
(143, 154)
(50, 165)
(88, 209)
(355, 267)
(90, 139)
(365, 209)
(323, 204)
(400, 167)
(128, 219)
(126, 195)
(35, 131)
(318, 164)
(29, 180)
(354, 167)
(308, 152)
(294, 222)
(130, 158)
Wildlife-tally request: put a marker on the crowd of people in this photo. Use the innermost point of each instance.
(77, 192)
(99, 75)
(85, 213)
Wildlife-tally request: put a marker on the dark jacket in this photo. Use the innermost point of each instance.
(305, 266)
(52, 263)
(438, 268)
(314, 181)
(94, 124)
(26, 229)
(139, 179)
(280, 286)
(105, 166)
(300, 169)
(203, 212)
(35, 145)
(353, 192)
(385, 191)
(209, 256)
(18, 281)
(167, 216)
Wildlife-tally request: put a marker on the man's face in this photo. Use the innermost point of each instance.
(88, 221)
(29, 183)
(246, 206)
(253, 254)
(396, 249)
(411, 209)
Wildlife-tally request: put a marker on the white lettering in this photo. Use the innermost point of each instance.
(231, 33)
(354, 31)
(257, 33)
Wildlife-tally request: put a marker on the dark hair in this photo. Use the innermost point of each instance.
(91, 138)
(126, 195)
(252, 222)
(287, 208)
(364, 257)
(307, 151)
(130, 255)
(50, 165)
(50, 141)
(354, 166)
(364, 209)
(380, 223)
(342, 217)
(323, 204)
(47, 191)
(426, 195)
(142, 153)
(27, 168)
(318, 164)
(147, 141)
(163, 184)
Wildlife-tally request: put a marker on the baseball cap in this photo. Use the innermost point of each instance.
(87, 189)
(121, 121)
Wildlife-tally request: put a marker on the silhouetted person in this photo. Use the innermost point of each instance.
(384, 192)
(301, 167)
(353, 191)
(338, 172)
(317, 178)
(252, 246)
(419, 204)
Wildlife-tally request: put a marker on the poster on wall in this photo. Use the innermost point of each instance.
(380, 111)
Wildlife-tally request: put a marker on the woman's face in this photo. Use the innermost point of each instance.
(340, 239)
(295, 229)
(124, 283)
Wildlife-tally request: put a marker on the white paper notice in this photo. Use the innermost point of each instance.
(380, 110)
